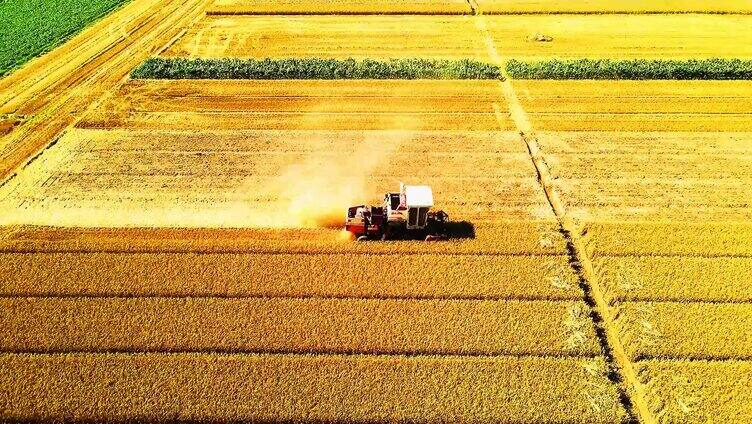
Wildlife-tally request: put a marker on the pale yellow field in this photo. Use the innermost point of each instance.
(332, 36)
(645, 106)
(613, 6)
(574, 36)
(355, 7)
(276, 137)
(623, 36)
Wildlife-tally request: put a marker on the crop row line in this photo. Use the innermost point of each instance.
(306, 352)
(386, 298)
(459, 353)
(312, 297)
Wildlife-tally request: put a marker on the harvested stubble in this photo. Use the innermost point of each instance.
(330, 90)
(690, 36)
(361, 96)
(612, 6)
(316, 69)
(525, 237)
(224, 200)
(675, 278)
(636, 69)
(665, 106)
(291, 325)
(705, 166)
(305, 105)
(298, 121)
(670, 238)
(699, 391)
(651, 191)
(324, 141)
(628, 143)
(685, 330)
(346, 7)
(305, 388)
(437, 276)
(377, 37)
(695, 122)
(468, 165)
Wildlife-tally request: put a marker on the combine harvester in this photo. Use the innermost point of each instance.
(403, 215)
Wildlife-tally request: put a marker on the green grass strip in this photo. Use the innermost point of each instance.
(314, 68)
(638, 69)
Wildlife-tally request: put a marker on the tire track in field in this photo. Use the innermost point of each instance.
(623, 372)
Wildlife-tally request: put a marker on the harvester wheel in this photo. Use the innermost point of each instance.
(363, 238)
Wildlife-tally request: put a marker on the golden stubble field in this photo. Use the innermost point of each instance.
(172, 252)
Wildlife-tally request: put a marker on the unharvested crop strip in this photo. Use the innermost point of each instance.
(309, 388)
(633, 399)
(285, 325)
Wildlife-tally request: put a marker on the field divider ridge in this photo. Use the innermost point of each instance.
(623, 373)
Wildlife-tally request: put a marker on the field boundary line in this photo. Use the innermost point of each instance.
(634, 399)
(306, 352)
(306, 297)
(617, 12)
(299, 355)
(221, 13)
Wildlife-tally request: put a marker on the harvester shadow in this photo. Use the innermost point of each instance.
(452, 230)
(459, 230)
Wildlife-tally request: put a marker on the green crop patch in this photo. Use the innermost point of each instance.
(29, 28)
(637, 69)
(315, 68)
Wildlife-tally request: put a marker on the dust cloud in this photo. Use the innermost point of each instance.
(314, 190)
(317, 192)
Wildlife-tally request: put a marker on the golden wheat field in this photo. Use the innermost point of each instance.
(173, 249)
(349, 7)
(611, 6)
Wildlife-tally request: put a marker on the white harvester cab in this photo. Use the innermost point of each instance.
(409, 207)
